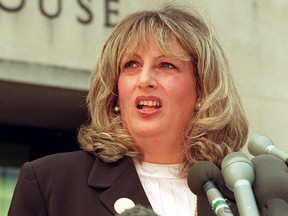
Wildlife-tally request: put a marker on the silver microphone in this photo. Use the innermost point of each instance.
(261, 144)
(238, 174)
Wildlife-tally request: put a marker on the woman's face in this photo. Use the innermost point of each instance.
(157, 93)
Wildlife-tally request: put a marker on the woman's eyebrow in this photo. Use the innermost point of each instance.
(161, 56)
(127, 56)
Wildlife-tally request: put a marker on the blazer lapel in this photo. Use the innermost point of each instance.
(119, 180)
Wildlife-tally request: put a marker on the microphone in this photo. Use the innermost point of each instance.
(205, 177)
(138, 210)
(261, 144)
(271, 185)
(238, 173)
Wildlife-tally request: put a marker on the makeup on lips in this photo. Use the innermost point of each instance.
(145, 104)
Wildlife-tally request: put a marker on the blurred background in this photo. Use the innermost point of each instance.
(48, 49)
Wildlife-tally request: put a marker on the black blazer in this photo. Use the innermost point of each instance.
(77, 183)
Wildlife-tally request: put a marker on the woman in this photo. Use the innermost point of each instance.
(161, 99)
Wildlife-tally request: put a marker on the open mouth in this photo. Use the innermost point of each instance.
(148, 105)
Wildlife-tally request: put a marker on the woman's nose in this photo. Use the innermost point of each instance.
(147, 78)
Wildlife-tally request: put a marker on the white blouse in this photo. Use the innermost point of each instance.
(168, 194)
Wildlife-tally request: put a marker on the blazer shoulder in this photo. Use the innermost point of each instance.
(64, 162)
(80, 154)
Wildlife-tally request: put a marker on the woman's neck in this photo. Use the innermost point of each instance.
(160, 150)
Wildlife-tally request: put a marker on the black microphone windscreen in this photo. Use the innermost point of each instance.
(202, 172)
(138, 211)
(275, 207)
(271, 180)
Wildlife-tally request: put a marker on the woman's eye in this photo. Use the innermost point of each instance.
(167, 65)
(130, 64)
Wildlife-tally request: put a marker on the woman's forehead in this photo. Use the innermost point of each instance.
(169, 47)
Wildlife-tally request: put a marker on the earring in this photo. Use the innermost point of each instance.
(197, 107)
(116, 109)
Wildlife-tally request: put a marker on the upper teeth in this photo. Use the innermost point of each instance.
(149, 103)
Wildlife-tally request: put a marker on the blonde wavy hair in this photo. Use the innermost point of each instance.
(219, 126)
